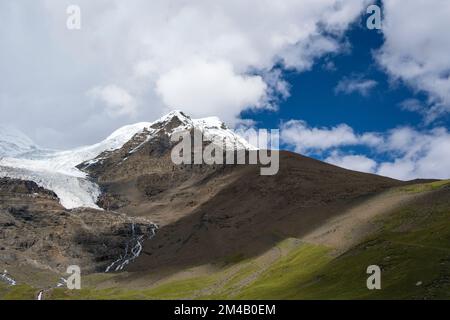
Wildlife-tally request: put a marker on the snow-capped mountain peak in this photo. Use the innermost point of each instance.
(14, 143)
(212, 128)
(175, 114)
(123, 134)
(20, 158)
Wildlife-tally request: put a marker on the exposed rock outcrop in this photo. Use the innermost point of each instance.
(36, 230)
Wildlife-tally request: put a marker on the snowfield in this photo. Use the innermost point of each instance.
(20, 158)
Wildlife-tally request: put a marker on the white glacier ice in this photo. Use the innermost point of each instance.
(56, 170)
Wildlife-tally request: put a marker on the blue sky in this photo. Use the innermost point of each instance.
(314, 98)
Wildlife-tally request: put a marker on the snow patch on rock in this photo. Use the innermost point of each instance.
(56, 170)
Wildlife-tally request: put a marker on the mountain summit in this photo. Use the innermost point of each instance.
(63, 171)
(14, 143)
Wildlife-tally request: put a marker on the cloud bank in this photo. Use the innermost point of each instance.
(403, 153)
(132, 61)
(416, 49)
(355, 84)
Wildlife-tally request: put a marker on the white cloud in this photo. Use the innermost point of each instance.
(352, 162)
(417, 154)
(329, 66)
(404, 153)
(117, 100)
(412, 105)
(145, 48)
(305, 139)
(203, 88)
(355, 84)
(416, 48)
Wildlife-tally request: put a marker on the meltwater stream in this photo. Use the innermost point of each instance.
(133, 248)
(62, 282)
(8, 279)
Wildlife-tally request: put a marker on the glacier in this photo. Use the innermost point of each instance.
(56, 170)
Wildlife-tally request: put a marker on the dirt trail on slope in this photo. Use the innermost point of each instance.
(340, 233)
(349, 228)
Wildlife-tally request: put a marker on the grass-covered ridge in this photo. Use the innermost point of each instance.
(19, 292)
(412, 247)
(424, 187)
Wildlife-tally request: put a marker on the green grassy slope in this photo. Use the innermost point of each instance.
(412, 247)
(415, 264)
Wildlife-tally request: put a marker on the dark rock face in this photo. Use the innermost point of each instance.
(139, 177)
(24, 187)
(36, 230)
